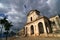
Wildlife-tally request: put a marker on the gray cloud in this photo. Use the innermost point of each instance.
(17, 12)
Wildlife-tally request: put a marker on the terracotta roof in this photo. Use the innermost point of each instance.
(37, 12)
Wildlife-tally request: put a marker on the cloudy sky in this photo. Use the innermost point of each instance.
(16, 10)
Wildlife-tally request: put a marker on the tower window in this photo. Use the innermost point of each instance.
(31, 18)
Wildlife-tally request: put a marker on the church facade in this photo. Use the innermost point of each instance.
(40, 25)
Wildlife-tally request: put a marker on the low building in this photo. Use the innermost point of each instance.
(55, 22)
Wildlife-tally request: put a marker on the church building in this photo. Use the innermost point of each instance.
(38, 25)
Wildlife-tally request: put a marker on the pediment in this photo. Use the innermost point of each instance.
(37, 12)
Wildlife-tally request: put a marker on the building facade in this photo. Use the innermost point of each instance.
(38, 25)
(55, 22)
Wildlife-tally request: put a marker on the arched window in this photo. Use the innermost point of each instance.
(31, 18)
(32, 29)
(53, 23)
(40, 27)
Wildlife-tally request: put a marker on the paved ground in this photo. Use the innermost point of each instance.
(32, 38)
(35, 38)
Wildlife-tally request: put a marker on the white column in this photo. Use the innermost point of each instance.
(44, 26)
(25, 30)
(36, 30)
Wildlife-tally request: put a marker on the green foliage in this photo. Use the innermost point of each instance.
(7, 25)
(3, 21)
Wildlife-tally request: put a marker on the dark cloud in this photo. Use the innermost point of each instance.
(58, 6)
(17, 12)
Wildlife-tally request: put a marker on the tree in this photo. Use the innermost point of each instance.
(7, 25)
(2, 22)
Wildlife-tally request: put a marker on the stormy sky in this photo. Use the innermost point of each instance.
(16, 10)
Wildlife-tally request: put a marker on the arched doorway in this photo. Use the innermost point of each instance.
(48, 27)
(40, 27)
(32, 29)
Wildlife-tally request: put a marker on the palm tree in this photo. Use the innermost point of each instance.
(7, 27)
(2, 22)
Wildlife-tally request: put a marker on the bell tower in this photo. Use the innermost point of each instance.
(32, 15)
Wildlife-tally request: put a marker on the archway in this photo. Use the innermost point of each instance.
(48, 27)
(40, 27)
(32, 29)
